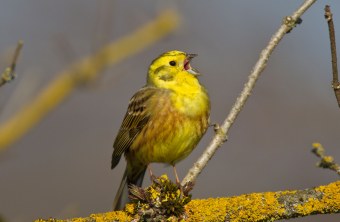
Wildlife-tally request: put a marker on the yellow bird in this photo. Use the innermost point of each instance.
(164, 121)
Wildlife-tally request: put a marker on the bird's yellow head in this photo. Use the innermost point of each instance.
(172, 68)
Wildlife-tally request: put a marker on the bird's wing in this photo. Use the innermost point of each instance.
(135, 119)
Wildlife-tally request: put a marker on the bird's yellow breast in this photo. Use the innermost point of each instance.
(189, 96)
(173, 131)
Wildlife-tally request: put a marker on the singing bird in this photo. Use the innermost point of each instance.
(164, 121)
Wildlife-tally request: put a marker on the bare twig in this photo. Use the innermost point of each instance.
(221, 136)
(326, 162)
(335, 82)
(9, 73)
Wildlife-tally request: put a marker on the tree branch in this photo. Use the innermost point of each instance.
(221, 136)
(83, 71)
(335, 82)
(326, 162)
(9, 73)
(267, 206)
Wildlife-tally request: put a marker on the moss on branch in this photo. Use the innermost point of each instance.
(268, 206)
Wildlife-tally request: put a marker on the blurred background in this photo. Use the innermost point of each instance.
(61, 166)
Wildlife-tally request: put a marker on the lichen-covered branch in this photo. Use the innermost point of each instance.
(221, 136)
(268, 206)
(9, 73)
(326, 161)
(84, 71)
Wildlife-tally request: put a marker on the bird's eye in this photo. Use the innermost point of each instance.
(172, 63)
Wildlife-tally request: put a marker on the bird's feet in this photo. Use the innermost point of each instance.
(161, 199)
(152, 176)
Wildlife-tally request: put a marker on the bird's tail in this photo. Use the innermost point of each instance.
(122, 196)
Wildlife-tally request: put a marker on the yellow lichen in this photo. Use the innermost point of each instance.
(328, 159)
(111, 216)
(316, 145)
(130, 208)
(207, 210)
(330, 201)
(249, 207)
(266, 206)
(254, 207)
(101, 217)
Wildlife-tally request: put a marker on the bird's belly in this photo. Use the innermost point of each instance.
(168, 140)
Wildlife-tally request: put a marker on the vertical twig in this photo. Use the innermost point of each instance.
(221, 136)
(335, 82)
(9, 73)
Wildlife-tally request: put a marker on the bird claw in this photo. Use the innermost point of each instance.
(153, 177)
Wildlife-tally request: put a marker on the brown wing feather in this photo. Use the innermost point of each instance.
(135, 119)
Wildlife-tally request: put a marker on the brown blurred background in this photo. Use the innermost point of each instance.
(61, 167)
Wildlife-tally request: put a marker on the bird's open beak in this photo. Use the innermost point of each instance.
(187, 65)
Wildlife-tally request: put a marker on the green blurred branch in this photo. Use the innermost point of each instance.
(84, 70)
